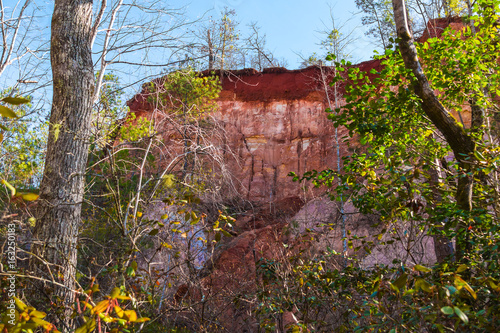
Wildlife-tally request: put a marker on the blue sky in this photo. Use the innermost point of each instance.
(291, 27)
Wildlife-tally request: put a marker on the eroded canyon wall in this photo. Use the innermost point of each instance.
(275, 123)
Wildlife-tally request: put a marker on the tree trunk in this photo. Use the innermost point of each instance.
(211, 57)
(62, 187)
(462, 144)
(443, 247)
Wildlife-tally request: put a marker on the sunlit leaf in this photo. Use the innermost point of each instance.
(15, 100)
(461, 315)
(115, 293)
(20, 304)
(57, 129)
(421, 268)
(38, 314)
(131, 315)
(142, 319)
(29, 196)
(6, 112)
(119, 311)
(100, 307)
(460, 283)
(10, 187)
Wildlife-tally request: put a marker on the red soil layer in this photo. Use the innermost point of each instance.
(270, 84)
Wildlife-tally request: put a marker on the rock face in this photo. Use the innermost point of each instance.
(275, 123)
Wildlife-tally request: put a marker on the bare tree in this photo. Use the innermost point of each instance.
(24, 58)
(255, 44)
(377, 16)
(218, 42)
(138, 39)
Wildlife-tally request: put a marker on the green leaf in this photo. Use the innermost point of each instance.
(401, 281)
(4, 128)
(462, 268)
(15, 100)
(115, 293)
(422, 284)
(6, 112)
(131, 269)
(461, 315)
(448, 310)
(154, 232)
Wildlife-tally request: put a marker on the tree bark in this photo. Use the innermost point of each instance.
(62, 186)
(462, 144)
(443, 247)
(211, 57)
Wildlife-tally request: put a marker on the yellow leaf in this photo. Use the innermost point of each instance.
(130, 315)
(123, 298)
(37, 314)
(168, 180)
(29, 196)
(87, 305)
(119, 311)
(141, 320)
(32, 221)
(57, 129)
(10, 187)
(1, 137)
(41, 322)
(461, 283)
(100, 307)
(20, 305)
(6, 112)
(139, 214)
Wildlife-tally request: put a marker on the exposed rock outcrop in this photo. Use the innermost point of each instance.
(274, 123)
